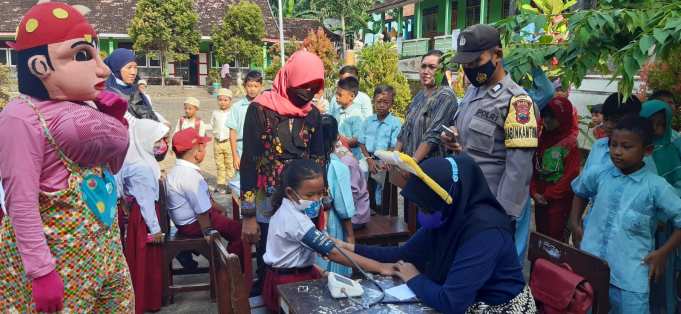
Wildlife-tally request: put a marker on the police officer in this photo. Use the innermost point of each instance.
(496, 123)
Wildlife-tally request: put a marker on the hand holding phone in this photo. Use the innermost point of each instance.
(450, 139)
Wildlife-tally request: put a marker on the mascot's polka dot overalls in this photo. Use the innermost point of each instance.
(82, 233)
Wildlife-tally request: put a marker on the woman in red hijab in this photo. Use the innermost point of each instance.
(557, 162)
(280, 125)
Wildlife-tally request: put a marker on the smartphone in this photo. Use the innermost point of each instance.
(449, 131)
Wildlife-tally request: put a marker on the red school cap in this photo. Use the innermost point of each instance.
(186, 139)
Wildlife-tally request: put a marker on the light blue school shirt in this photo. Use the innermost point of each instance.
(340, 187)
(236, 121)
(622, 220)
(599, 157)
(380, 135)
(350, 119)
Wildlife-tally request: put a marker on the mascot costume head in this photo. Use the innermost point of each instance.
(57, 54)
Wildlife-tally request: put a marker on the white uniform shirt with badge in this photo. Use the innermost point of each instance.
(498, 128)
(187, 193)
(287, 228)
(219, 123)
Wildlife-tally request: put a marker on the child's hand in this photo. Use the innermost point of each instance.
(387, 269)
(372, 165)
(540, 199)
(577, 234)
(657, 261)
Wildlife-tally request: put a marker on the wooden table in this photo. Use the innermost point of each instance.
(314, 297)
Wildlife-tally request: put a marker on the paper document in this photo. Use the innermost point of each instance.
(401, 292)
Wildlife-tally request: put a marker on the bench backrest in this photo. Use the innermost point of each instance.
(232, 297)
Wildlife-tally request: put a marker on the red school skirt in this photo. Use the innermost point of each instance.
(145, 261)
(276, 277)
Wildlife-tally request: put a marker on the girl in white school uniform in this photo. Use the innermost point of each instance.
(138, 182)
(293, 239)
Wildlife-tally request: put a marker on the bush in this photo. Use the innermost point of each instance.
(291, 46)
(4, 88)
(378, 65)
(318, 43)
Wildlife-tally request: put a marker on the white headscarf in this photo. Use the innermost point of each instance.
(144, 133)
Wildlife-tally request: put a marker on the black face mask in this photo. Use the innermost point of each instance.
(300, 96)
(478, 76)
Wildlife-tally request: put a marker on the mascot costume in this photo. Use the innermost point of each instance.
(62, 138)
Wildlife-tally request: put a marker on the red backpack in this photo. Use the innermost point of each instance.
(557, 289)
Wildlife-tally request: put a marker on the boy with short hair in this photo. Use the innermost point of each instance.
(379, 132)
(189, 203)
(349, 116)
(222, 149)
(235, 123)
(190, 118)
(362, 101)
(628, 200)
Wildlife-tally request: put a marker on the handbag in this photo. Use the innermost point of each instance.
(558, 289)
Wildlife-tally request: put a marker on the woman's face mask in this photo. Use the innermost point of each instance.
(431, 220)
(301, 96)
(160, 149)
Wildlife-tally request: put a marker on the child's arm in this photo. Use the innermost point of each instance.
(235, 155)
(370, 161)
(367, 264)
(347, 229)
(575, 222)
(658, 259)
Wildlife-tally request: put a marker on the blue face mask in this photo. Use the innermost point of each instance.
(309, 207)
(430, 220)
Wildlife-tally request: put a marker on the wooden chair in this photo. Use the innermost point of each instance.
(595, 270)
(174, 244)
(248, 252)
(229, 281)
(384, 229)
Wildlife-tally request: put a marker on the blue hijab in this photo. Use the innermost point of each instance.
(474, 209)
(116, 61)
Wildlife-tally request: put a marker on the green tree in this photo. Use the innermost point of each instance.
(165, 27)
(239, 37)
(318, 43)
(353, 14)
(617, 38)
(378, 65)
(290, 47)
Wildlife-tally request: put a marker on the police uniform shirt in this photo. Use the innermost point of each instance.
(501, 142)
(285, 248)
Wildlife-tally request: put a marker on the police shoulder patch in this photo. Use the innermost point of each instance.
(520, 127)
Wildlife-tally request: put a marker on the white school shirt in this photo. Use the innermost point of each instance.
(137, 180)
(219, 123)
(187, 193)
(2, 198)
(286, 230)
(190, 123)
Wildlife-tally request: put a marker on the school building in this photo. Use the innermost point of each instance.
(111, 19)
(420, 25)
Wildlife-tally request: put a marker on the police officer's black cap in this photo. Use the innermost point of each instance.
(473, 41)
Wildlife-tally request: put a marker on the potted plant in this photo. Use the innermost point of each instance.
(213, 81)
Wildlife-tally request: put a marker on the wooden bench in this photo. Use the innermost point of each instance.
(384, 229)
(174, 244)
(229, 281)
(595, 270)
(248, 249)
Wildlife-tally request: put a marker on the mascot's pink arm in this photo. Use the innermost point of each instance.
(29, 164)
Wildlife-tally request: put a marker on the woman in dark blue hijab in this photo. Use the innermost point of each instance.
(123, 80)
(463, 258)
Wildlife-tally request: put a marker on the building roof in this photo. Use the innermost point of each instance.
(299, 28)
(106, 15)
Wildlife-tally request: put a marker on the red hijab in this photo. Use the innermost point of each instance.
(301, 68)
(567, 132)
